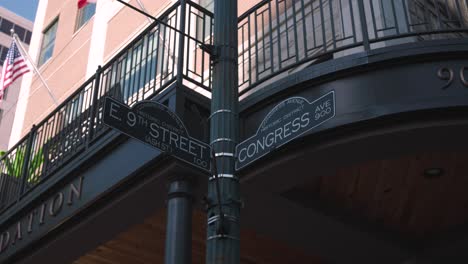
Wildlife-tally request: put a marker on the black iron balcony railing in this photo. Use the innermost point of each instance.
(157, 58)
(275, 36)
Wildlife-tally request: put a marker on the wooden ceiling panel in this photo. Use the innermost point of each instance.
(397, 194)
(144, 244)
(392, 177)
(394, 193)
(364, 190)
(457, 211)
(426, 205)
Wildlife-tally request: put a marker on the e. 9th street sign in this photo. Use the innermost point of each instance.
(285, 122)
(158, 126)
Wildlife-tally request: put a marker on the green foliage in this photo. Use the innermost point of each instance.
(35, 166)
(14, 165)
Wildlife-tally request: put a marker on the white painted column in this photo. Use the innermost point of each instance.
(105, 10)
(34, 49)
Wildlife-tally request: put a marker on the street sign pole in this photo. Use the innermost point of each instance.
(158, 126)
(223, 233)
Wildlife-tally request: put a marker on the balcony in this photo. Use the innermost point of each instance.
(276, 39)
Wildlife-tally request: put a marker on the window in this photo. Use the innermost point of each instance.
(84, 14)
(20, 31)
(136, 71)
(5, 93)
(203, 22)
(6, 26)
(147, 65)
(3, 54)
(208, 4)
(74, 108)
(27, 39)
(48, 42)
(23, 34)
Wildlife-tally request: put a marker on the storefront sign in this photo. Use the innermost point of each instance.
(158, 126)
(47, 213)
(285, 122)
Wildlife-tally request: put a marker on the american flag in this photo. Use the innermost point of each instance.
(13, 68)
(83, 3)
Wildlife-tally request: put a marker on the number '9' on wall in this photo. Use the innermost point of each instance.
(449, 75)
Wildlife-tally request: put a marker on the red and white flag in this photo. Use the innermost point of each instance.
(83, 3)
(13, 68)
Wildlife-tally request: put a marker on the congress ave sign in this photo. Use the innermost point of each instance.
(159, 127)
(285, 122)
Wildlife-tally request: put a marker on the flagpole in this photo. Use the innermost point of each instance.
(202, 45)
(159, 34)
(155, 19)
(26, 54)
(144, 10)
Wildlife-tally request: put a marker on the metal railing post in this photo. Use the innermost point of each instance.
(365, 32)
(94, 102)
(26, 161)
(180, 52)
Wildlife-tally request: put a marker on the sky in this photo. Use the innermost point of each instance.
(24, 8)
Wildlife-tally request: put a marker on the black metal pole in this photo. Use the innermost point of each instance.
(179, 223)
(92, 114)
(180, 61)
(365, 32)
(223, 242)
(26, 161)
(179, 205)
